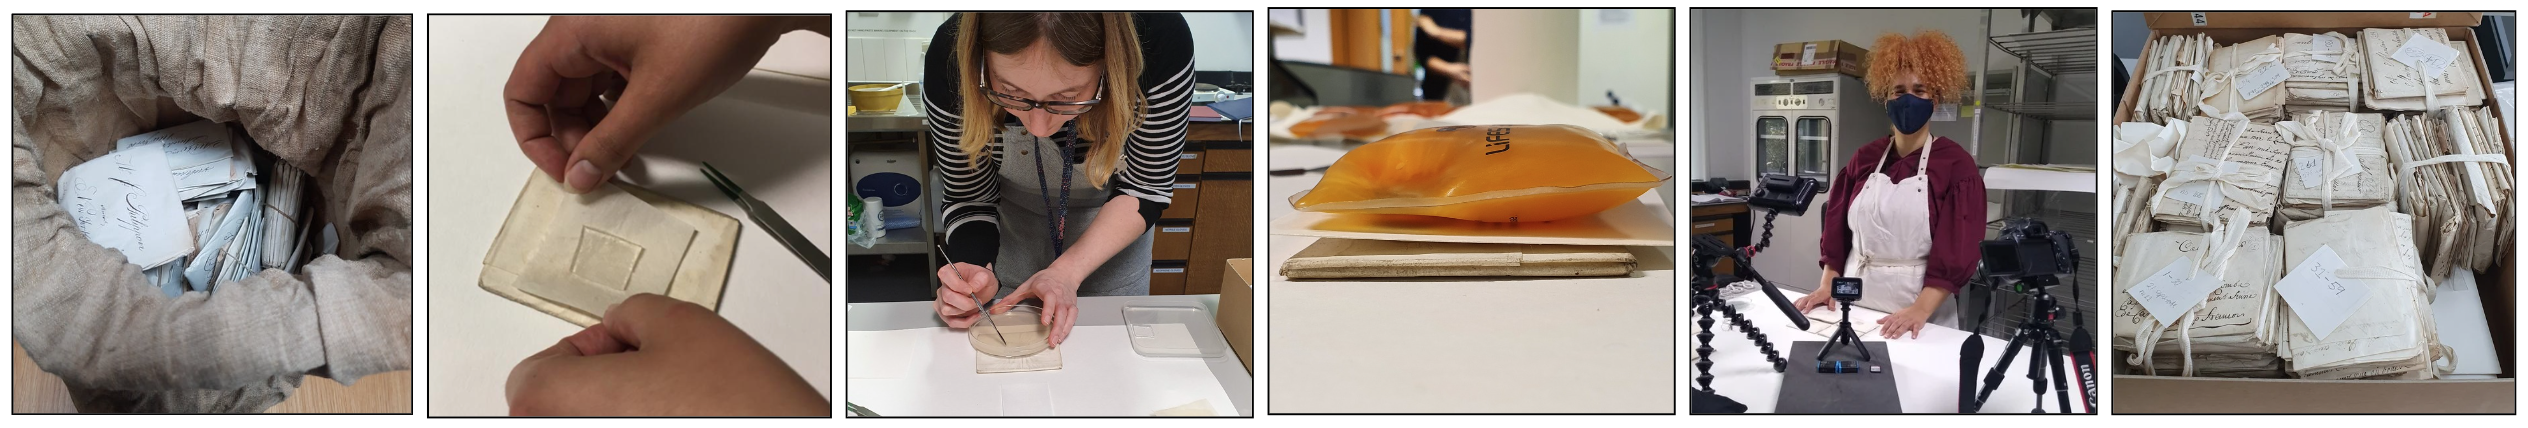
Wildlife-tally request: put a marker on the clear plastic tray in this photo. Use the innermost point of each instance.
(1173, 331)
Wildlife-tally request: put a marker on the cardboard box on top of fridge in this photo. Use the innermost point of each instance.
(2168, 394)
(2205, 20)
(1817, 57)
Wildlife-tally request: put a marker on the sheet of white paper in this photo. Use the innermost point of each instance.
(1110, 380)
(2168, 293)
(2317, 296)
(125, 200)
(2263, 78)
(1026, 400)
(205, 175)
(188, 145)
(2458, 311)
(881, 355)
(2424, 54)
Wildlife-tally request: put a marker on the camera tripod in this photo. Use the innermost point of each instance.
(2045, 350)
(1844, 335)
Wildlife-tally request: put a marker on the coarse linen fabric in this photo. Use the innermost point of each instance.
(329, 95)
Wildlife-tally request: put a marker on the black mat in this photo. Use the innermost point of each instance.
(1804, 390)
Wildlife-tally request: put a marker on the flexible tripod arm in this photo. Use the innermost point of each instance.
(1747, 268)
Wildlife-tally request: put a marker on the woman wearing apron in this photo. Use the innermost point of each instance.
(1056, 138)
(1906, 214)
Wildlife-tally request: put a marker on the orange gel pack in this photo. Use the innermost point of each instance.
(1493, 173)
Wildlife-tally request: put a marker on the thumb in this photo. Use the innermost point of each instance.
(644, 108)
(1024, 291)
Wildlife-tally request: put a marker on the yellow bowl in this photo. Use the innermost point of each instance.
(876, 97)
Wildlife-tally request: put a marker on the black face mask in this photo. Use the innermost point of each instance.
(1908, 112)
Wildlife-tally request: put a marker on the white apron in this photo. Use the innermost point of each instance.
(1891, 236)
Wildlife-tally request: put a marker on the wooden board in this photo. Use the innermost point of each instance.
(1354, 258)
(1632, 224)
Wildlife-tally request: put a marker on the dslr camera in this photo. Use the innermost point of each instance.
(2031, 253)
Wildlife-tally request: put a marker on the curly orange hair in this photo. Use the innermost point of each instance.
(1928, 54)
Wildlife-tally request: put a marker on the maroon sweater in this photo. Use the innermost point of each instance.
(1957, 208)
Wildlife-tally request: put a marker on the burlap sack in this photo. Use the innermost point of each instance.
(329, 95)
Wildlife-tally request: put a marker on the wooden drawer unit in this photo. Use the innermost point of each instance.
(1167, 277)
(1229, 157)
(1187, 199)
(1172, 240)
(1225, 229)
(1703, 227)
(1190, 162)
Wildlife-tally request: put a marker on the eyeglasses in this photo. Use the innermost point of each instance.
(1024, 104)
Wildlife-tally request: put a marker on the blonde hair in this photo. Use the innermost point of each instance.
(1081, 39)
(1928, 54)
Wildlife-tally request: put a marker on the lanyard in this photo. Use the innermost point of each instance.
(1057, 220)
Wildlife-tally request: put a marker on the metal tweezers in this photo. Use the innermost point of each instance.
(772, 223)
(979, 303)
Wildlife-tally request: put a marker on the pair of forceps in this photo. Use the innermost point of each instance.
(979, 303)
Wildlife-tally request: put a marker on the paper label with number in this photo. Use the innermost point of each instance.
(2311, 168)
(2263, 78)
(2424, 54)
(2175, 288)
(2321, 299)
(2192, 193)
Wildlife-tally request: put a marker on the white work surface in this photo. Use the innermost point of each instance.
(902, 361)
(772, 133)
(1478, 345)
(1925, 366)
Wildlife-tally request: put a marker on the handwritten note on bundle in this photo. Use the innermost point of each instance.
(2326, 43)
(2263, 78)
(2424, 54)
(2321, 299)
(2172, 290)
(126, 201)
(2198, 192)
(2309, 167)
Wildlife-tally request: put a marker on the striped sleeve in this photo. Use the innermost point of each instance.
(970, 204)
(1167, 82)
